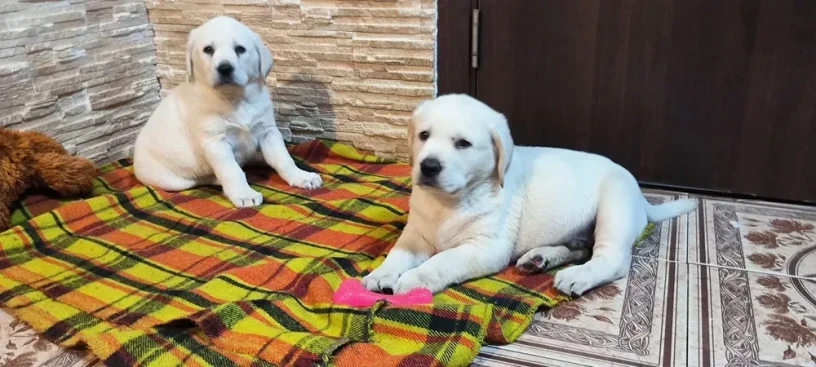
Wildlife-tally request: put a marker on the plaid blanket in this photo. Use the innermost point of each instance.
(146, 277)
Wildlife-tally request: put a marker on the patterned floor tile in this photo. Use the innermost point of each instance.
(20, 346)
(745, 318)
(759, 237)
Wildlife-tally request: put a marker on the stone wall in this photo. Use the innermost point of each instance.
(344, 69)
(82, 71)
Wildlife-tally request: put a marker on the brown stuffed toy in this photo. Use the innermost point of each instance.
(31, 160)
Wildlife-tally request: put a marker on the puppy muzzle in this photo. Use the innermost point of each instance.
(225, 73)
(429, 169)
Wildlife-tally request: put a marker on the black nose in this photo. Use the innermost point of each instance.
(430, 167)
(225, 68)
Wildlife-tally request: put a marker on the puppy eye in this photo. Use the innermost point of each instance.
(239, 49)
(463, 144)
(208, 50)
(424, 135)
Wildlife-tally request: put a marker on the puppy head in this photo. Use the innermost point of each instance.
(225, 52)
(457, 141)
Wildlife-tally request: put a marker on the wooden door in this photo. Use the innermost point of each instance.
(715, 95)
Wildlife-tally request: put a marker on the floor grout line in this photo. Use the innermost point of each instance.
(757, 271)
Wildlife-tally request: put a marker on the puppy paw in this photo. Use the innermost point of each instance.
(245, 197)
(415, 278)
(380, 280)
(549, 257)
(306, 180)
(534, 261)
(576, 280)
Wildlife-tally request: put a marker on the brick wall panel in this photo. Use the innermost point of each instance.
(82, 71)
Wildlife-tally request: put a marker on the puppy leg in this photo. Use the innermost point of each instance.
(219, 155)
(409, 251)
(275, 154)
(170, 182)
(549, 257)
(619, 222)
(456, 265)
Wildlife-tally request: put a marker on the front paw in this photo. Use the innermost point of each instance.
(576, 280)
(415, 278)
(380, 280)
(244, 198)
(305, 180)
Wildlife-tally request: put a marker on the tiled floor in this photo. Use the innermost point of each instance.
(733, 284)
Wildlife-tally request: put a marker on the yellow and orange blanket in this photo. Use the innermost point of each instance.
(150, 278)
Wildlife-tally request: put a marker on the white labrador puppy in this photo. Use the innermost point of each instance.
(479, 202)
(207, 128)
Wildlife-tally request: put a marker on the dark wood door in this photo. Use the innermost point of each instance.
(716, 95)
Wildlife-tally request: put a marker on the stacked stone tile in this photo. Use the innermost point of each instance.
(347, 70)
(82, 71)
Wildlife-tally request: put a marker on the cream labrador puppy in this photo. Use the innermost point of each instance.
(479, 202)
(222, 118)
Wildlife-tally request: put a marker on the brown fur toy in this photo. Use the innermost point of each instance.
(32, 160)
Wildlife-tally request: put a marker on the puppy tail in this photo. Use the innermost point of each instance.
(659, 213)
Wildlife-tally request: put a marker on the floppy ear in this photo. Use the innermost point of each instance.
(503, 145)
(190, 49)
(264, 57)
(411, 143)
(411, 131)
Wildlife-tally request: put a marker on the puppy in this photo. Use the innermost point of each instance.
(207, 128)
(479, 202)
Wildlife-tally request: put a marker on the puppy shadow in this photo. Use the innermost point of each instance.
(303, 108)
(303, 112)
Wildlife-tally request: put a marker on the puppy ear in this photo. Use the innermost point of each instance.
(264, 57)
(411, 143)
(190, 49)
(412, 132)
(503, 145)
